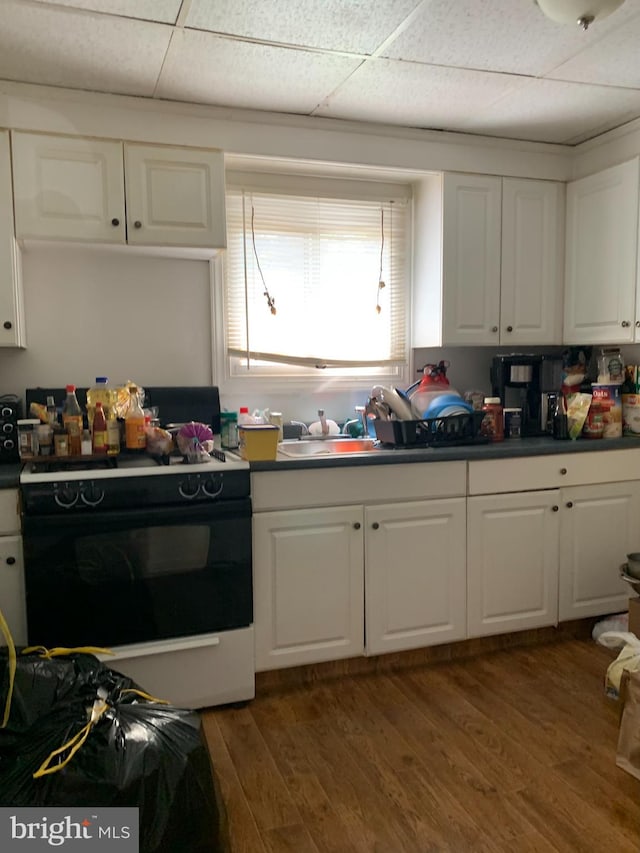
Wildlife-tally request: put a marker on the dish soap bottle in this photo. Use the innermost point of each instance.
(135, 435)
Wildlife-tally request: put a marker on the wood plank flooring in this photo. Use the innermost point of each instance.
(510, 751)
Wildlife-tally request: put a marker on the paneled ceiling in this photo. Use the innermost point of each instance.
(493, 67)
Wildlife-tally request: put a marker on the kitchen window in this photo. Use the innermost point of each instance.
(316, 278)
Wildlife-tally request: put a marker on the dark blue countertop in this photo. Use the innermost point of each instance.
(9, 475)
(507, 449)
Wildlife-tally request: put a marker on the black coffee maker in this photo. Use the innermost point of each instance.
(521, 380)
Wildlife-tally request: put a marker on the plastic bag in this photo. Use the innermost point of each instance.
(577, 410)
(628, 750)
(628, 658)
(138, 753)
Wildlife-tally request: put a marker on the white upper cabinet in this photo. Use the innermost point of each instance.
(175, 196)
(70, 188)
(11, 303)
(532, 262)
(488, 262)
(601, 305)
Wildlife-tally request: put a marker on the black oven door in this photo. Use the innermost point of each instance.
(113, 578)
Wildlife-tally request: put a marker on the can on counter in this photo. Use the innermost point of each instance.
(513, 423)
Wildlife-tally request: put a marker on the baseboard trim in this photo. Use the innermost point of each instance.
(297, 676)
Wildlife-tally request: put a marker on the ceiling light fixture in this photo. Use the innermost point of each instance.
(582, 12)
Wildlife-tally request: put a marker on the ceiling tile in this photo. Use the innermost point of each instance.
(209, 69)
(359, 26)
(62, 47)
(164, 11)
(417, 95)
(612, 61)
(552, 111)
(497, 35)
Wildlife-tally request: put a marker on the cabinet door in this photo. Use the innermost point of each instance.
(68, 188)
(471, 259)
(308, 586)
(12, 595)
(11, 304)
(175, 196)
(532, 262)
(512, 562)
(415, 575)
(602, 239)
(599, 527)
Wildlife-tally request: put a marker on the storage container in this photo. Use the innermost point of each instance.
(258, 442)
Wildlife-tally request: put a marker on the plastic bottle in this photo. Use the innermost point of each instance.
(135, 435)
(493, 422)
(99, 433)
(103, 393)
(72, 420)
(244, 417)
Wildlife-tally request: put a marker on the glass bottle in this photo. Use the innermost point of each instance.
(72, 420)
(99, 433)
(560, 421)
(135, 435)
(52, 412)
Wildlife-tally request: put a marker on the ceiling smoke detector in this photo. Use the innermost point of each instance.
(582, 12)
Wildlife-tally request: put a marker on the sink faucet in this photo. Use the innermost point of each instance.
(360, 419)
(323, 422)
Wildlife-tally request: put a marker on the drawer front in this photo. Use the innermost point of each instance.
(367, 484)
(551, 472)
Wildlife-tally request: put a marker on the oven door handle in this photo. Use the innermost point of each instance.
(99, 519)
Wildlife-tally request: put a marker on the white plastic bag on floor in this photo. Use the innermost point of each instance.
(628, 658)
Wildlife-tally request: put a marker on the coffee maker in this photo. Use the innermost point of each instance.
(523, 380)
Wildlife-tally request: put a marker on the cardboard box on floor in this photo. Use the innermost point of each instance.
(634, 616)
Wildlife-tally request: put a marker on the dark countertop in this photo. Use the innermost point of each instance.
(9, 475)
(507, 449)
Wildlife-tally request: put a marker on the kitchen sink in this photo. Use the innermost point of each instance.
(327, 446)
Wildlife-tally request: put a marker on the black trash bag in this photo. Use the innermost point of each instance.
(138, 753)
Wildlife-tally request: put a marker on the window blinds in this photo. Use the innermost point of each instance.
(321, 262)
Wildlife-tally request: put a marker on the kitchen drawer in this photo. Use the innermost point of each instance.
(551, 472)
(365, 484)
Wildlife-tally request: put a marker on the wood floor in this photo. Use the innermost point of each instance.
(510, 751)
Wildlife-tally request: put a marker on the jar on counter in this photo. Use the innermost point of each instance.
(512, 423)
(493, 422)
(229, 430)
(28, 437)
(594, 424)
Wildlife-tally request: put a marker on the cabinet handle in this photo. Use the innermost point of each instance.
(563, 470)
(137, 224)
(494, 328)
(637, 324)
(509, 328)
(356, 526)
(10, 561)
(8, 324)
(375, 525)
(555, 508)
(569, 504)
(115, 222)
(625, 324)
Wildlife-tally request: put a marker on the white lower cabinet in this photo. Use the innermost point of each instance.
(600, 525)
(312, 566)
(415, 574)
(12, 594)
(512, 562)
(308, 586)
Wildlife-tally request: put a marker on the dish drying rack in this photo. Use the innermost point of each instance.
(448, 431)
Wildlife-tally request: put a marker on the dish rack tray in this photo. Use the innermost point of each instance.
(432, 432)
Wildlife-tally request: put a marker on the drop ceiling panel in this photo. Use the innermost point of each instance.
(164, 11)
(501, 35)
(63, 47)
(614, 60)
(408, 93)
(205, 68)
(358, 26)
(553, 111)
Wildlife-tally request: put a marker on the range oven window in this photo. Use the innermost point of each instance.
(116, 578)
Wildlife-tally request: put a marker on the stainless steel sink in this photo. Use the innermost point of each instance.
(327, 447)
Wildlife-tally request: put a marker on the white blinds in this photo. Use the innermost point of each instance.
(321, 261)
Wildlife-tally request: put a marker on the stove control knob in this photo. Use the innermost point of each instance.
(212, 486)
(91, 494)
(189, 488)
(66, 495)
